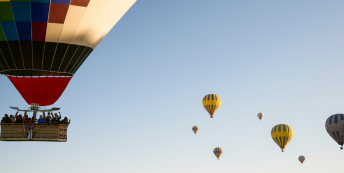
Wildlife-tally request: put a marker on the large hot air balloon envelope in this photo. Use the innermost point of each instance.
(211, 103)
(195, 129)
(302, 159)
(282, 134)
(44, 42)
(218, 152)
(335, 128)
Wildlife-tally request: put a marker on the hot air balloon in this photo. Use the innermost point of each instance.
(302, 159)
(335, 128)
(218, 152)
(44, 42)
(282, 134)
(260, 115)
(211, 103)
(195, 129)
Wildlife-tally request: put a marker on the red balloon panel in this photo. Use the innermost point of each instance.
(42, 90)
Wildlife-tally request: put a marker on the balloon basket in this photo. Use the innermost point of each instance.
(47, 132)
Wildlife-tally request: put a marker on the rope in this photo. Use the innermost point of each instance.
(24, 132)
(17, 129)
(39, 128)
(24, 129)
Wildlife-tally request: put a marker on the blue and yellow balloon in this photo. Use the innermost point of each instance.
(211, 103)
(282, 135)
(218, 152)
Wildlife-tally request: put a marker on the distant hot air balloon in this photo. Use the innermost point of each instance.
(302, 159)
(218, 152)
(195, 129)
(335, 128)
(260, 115)
(282, 134)
(44, 42)
(211, 103)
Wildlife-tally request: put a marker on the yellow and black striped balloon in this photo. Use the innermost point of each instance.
(195, 129)
(218, 152)
(282, 135)
(211, 103)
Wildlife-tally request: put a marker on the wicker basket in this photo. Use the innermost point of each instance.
(42, 132)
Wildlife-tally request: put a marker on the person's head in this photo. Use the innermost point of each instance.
(55, 114)
(11, 116)
(41, 116)
(20, 115)
(6, 115)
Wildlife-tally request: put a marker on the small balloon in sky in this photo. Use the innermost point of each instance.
(282, 135)
(195, 129)
(260, 115)
(302, 159)
(335, 128)
(218, 152)
(211, 103)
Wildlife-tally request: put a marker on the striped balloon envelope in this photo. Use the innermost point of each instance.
(282, 135)
(211, 103)
(44, 42)
(218, 152)
(195, 129)
(335, 128)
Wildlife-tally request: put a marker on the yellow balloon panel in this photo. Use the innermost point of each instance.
(52, 29)
(87, 26)
(88, 22)
(117, 14)
(73, 18)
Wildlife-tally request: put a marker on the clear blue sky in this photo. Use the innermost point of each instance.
(134, 101)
